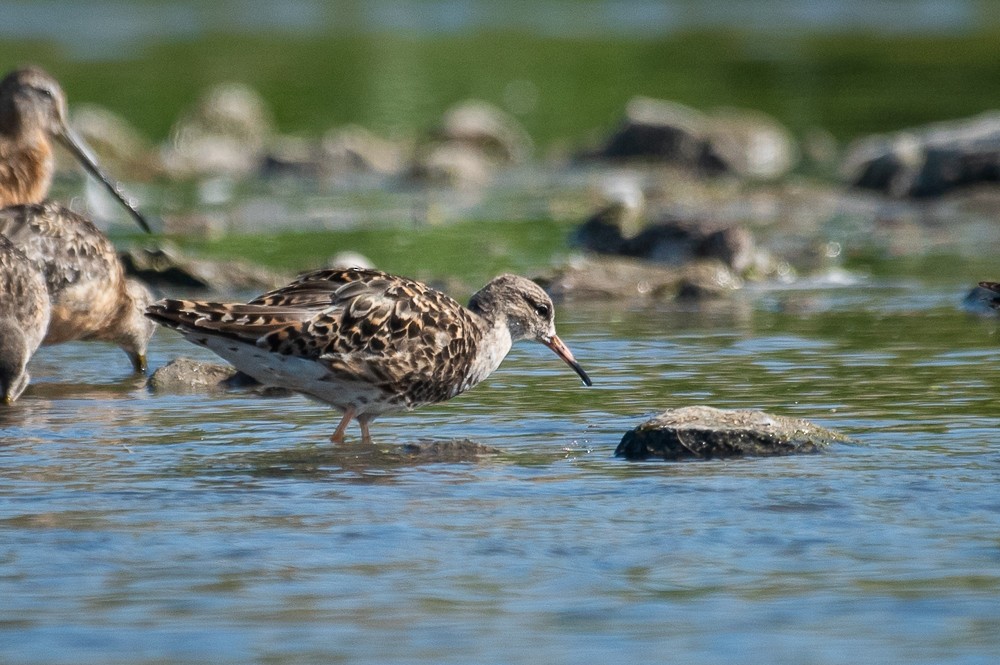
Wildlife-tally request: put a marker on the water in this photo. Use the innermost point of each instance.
(139, 528)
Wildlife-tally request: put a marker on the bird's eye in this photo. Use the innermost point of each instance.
(543, 310)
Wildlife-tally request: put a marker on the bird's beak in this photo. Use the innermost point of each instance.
(69, 139)
(563, 352)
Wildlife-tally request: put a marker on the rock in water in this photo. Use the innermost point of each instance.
(182, 375)
(927, 161)
(704, 432)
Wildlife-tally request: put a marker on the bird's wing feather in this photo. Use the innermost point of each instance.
(66, 247)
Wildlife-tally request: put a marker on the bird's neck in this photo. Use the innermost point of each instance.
(493, 346)
(26, 166)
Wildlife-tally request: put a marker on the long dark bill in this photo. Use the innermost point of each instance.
(82, 153)
(563, 352)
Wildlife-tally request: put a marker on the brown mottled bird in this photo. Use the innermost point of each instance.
(24, 316)
(89, 294)
(32, 115)
(367, 342)
(91, 297)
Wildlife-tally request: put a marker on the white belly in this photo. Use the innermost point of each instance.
(298, 374)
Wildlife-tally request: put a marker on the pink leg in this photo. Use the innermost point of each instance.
(338, 435)
(366, 436)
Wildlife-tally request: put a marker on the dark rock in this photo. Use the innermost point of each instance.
(606, 231)
(982, 299)
(164, 265)
(615, 278)
(702, 432)
(927, 161)
(662, 131)
(673, 242)
(743, 142)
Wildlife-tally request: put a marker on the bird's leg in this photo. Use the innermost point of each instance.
(338, 435)
(366, 436)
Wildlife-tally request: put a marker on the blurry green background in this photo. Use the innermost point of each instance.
(564, 68)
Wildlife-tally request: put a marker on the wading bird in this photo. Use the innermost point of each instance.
(89, 294)
(370, 343)
(24, 317)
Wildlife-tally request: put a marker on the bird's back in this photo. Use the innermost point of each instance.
(396, 340)
(67, 247)
(85, 279)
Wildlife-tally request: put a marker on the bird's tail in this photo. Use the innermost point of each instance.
(246, 323)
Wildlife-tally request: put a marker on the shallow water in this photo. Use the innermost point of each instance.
(140, 528)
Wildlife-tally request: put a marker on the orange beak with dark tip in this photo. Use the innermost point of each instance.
(563, 352)
(68, 138)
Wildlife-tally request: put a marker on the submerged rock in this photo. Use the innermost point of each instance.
(164, 265)
(452, 451)
(703, 432)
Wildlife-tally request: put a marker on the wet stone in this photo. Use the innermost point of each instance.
(703, 432)
(189, 375)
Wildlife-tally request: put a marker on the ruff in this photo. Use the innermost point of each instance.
(367, 342)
